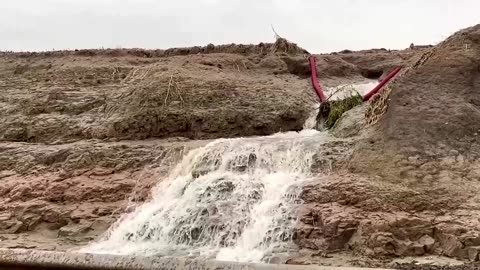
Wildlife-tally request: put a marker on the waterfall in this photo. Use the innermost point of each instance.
(233, 200)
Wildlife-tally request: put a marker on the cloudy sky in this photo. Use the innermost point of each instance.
(317, 25)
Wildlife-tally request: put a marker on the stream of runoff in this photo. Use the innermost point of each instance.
(231, 200)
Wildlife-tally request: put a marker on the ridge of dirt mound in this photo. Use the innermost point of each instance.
(281, 45)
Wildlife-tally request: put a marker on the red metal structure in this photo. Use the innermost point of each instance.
(375, 90)
(316, 86)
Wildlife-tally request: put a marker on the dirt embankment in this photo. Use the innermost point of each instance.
(230, 91)
(62, 99)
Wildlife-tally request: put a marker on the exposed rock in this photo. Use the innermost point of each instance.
(452, 247)
(427, 243)
(339, 213)
(10, 226)
(74, 229)
(473, 253)
(350, 123)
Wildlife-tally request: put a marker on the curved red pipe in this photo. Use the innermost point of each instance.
(316, 86)
(377, 88)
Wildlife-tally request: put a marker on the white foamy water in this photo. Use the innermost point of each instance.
(232, 199)
(311, 121)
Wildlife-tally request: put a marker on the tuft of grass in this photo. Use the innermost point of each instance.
(331, 110)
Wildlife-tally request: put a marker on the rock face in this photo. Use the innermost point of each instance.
(59, 196)
(350, 123)
(380, 219)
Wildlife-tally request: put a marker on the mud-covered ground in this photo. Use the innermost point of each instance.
(86, 134)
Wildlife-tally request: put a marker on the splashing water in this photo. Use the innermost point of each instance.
(233, 199)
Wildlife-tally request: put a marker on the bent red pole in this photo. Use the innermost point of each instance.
(377, 88)
(316, 86)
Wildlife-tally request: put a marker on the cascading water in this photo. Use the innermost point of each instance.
(233, 200)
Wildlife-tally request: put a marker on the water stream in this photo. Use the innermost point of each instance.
(233, 200)
(229, 200)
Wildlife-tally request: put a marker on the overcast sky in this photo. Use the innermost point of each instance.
(316, 25)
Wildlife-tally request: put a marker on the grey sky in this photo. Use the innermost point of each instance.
(316, 25)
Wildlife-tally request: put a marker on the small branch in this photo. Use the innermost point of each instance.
(277, 36)
(336, 91)
(333, 93)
